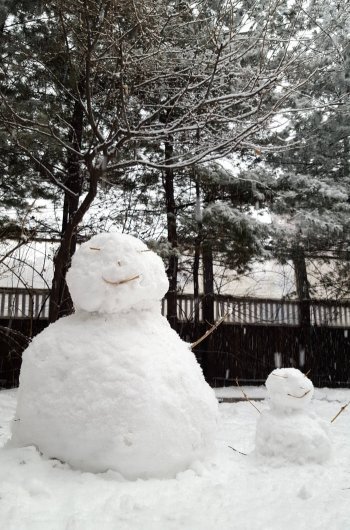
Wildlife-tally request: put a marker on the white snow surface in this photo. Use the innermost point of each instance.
(113, 271)
(227, 491)
(105, 390)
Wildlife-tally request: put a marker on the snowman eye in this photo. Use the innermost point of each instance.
(119, 263)
(94, 248)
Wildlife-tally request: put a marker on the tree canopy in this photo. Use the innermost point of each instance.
(144, 97)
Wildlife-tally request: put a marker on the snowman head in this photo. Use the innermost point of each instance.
(115, 272)
(289, 389)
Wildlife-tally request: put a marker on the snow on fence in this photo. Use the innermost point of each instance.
(248, 311)
(330, 313)
(24, 303)
(27, 303)
(267, 311)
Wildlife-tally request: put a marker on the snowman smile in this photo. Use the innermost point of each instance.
(303, 395)
(120, 282)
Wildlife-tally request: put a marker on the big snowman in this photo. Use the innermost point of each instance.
(113, 386)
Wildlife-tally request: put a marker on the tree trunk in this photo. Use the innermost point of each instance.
(207, 359)
(208, 282)
(63, 255)
(346, 161)
(172, 237)
(302, 288)
(60, 301)
(302, 284)
(197, 252)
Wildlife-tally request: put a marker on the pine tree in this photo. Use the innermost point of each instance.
(94, 88)
(313, 184)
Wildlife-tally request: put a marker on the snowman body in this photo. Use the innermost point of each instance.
(113, 386)
(287, 430)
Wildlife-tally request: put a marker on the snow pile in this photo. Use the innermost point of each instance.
(287, 430)
(115, 389)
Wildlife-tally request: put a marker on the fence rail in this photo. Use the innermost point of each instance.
(25, 303)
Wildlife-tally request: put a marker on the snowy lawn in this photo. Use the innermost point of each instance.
(231, 491)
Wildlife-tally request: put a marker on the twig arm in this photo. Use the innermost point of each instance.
(209, 331)
(245, 395)
(236, 450)
(341, 410)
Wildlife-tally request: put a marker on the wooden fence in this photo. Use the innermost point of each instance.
(24, 303)
(257, 336)
(250, 352)
(266, 312)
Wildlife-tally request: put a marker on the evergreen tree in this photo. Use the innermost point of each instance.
(94, 88)
(313, 185)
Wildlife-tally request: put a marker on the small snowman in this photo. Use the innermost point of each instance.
(288, 430)
(113, 386)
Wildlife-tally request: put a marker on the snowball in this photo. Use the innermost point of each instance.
(115, 390)
(296, 437)
(113, 272)
(289, 388)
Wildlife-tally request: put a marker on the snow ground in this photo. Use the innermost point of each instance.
(231, 491)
